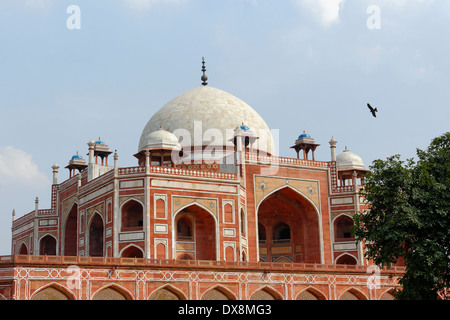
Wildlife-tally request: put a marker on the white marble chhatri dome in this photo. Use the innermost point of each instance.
(349, 160)
(215, 109)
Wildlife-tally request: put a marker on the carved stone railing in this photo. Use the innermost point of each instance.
(202, 264)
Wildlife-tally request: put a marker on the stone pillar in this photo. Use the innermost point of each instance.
(55, 168)
(333, 143)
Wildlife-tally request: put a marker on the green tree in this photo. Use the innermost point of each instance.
(409, 218)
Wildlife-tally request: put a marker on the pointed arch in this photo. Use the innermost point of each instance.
(70, 230)
(303, 221)
(310, 293)
(167, 292)
(131, 251)
(112, 292)
(388, 294)
(342, 224)
(346, 258)
(53, 291)
(218, 293)
(287, 186)
(23, 248)
(352, 294)
(131, 215)
(266, 293)
(185, 256)
(96, 235)
(283, 259)
(205, 232)
(198, 205)
(48, 245)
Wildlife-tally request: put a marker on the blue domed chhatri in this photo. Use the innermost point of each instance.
(304, 135)
(77, 156)
(244, 127)
(306, 143)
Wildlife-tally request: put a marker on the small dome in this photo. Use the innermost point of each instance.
(77, 156)
(304, 135)
(159, 139)
(349, 160)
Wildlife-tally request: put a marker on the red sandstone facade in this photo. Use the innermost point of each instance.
(272, 228)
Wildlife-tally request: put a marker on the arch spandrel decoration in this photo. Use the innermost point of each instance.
(266, 185)
(182, 202)
(67, 205)
(98, 208)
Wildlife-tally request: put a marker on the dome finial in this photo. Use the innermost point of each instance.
(204, 77)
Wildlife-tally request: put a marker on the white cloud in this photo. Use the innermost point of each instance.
(143, 5)
(326, 11)
(18, 169)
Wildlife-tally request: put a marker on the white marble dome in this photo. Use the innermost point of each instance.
(208, 108)
(349, 160)
(159, 139)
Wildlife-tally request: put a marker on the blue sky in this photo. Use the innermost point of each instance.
(301, 64)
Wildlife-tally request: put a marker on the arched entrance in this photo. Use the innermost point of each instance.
(70, 232)
(195, 233)
(132, 252)
(96, 236)
(288, 226)
(53, 292)
(47, 245)
(23, 249)
(111, 293)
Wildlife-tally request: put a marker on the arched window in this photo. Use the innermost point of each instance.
(132, 252)
(132, 216)
(71, 233)
(96, 238)
(184, 229)
(343, 229)
(346, 259)
(47, 246)
(281, 233)
(23, 249)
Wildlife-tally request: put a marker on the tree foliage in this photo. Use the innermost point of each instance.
(409, 218)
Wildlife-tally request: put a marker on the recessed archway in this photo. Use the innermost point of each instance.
(343, 228)
(132, 251)
(218, 293)
(200, 240)
(113, 292)
(53, 291)
(167, 293)
(71, 232)
(47, 245)
(291, 227)
(96, 237)
(346, 258)
(132, 216)
(352, 294)
(266, 293)
(23, 249)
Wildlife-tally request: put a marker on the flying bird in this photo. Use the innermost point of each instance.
(373, 110)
